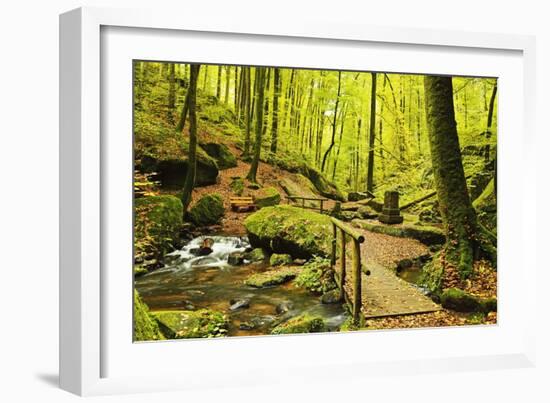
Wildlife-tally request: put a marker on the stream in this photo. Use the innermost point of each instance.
(190, 282)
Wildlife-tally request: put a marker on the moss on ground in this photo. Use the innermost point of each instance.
(266, 197)
(287, 229)
(203, 323)
(317, 276)
(280, 259)
(208, 210)
(301, 324)
(461, 301)
(423, 233)
(158, 220)
(145, 326)
(272, 277)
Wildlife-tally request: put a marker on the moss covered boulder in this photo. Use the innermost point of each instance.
(426, 234)
(256, 255)
(221, 154)
(172, 170)
(268, 196)
(203, 323)
(461, 301)
(286, 229)
(301, 324)
(158, 220)
(280, 259)
(272, 277)
(208, 210)
(317, 276)
(145, 326)
(322, 184)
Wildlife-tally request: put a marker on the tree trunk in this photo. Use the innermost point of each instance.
(172, 93)
(192, 157)
(329, 149)
(227, 79)
(458, 215)
(488, 132)
(260, 87)
(184, 110)
(219, 83)
(372, 126)
(275, 111)
(247, 95)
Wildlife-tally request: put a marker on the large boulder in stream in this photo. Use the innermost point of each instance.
(301, 324)
(208, 210)
(286, 229)
(272, 277)
(203, 323)
(158, 220)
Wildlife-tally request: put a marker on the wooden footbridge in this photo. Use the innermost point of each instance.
(371, 290)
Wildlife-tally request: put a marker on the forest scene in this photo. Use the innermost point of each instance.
(271, 200)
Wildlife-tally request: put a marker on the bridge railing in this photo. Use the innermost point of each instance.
(340, 233)
(301, 202)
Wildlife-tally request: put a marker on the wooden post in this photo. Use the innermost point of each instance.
(356, 282)
(334, 236)
(342, 264)
(321, 201)
(303, 203)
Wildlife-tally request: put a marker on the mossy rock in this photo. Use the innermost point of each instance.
(301, 324)
(221, 154)
(286, 229)
(461, 301)
(268, 196)
(208, 210)
(256, 255)
(280, 259)
(158, 220)
(145, 326)
(203, 323)
(171, 171)
(237, 186)
(322, 184)
(423, 233)
(272, 277)
(317, 276)
(300, 186)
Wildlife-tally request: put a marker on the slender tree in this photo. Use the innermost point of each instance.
(275, 111)
(172, 93)
(248, 117)
(192, 157)
(458, 215)
(260, 87)
(488, 132)
(372, 134)
(329, 149)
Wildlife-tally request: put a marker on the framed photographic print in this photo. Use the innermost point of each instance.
(245, 197)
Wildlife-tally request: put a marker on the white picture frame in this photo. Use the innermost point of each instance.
(90, 339)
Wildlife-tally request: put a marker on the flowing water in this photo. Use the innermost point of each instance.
(193, 282)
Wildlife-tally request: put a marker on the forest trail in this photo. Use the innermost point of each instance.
(383, 292)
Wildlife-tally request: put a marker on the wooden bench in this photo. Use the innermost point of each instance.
(242, 204)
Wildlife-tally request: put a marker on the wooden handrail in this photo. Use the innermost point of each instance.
(338, 227)
(306, 198)
(348, 230)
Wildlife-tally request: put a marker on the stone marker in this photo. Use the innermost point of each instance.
(390, 211)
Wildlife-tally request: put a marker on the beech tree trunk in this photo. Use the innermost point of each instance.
(458, 215)
(275, 111)
(370, 166)
(329, 149)
(192, 157)
(172, 93)
(260, 88)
